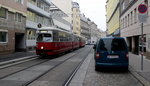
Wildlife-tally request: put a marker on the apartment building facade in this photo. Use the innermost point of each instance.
(85, 27)
(65, 6)
(112, 17)
(76, 19)
(38, 12)
(131, 26)
(12, 25)
(94, 33)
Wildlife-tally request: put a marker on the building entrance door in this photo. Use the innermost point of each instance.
(136, 41)
(19, 42)
(129, 39)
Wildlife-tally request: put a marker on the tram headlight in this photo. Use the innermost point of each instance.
(42, 47)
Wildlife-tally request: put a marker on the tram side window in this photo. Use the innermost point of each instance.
(55, 36)
(63, 37)
(76, 39)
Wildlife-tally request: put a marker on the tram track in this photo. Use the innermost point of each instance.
(20, 70)
(10, 63)
(67, 82)
(68, 79)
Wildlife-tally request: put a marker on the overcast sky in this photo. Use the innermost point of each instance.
(95, 10)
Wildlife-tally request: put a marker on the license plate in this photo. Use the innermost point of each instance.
(113, 56)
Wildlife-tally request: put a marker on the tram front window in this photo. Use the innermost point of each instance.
(44, 38)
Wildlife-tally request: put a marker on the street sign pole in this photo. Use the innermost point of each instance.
(142, 9)
(142, 48)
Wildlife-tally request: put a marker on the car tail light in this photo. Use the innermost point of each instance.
(127, 55)
(97, 55)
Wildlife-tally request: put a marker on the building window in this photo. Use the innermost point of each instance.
(32, 1)
(46, 7)
(3, 37)
(18, 17)
(77, 23)
(123, 6)
(31, 34)
(40, 4)
(3, 13)
(128, 20)
(135, 16)
(123, 23)
(19, 1)
(146, 2)
(31, 16)
(131, 18)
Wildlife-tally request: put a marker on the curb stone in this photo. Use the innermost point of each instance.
(139, 77)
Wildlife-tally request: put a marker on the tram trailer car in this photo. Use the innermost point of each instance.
(52, 41)
(81, 42)
(75, 42)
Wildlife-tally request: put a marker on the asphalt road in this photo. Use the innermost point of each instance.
(59, 75)
(85, 76)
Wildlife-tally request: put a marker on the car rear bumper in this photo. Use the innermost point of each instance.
(111, 64)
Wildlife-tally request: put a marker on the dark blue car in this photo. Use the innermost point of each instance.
(111, 52)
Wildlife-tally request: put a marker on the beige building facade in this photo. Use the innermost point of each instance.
(112, 17)
(76, 28)
(12, 25)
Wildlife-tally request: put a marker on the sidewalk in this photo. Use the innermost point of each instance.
(135, 67)
(16, 55)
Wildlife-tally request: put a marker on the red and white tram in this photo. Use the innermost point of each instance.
(52, 41)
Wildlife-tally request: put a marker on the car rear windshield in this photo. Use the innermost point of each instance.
(112, 44)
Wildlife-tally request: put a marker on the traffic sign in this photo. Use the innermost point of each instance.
(142, 13)
(142, 8)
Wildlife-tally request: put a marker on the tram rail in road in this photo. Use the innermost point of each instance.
(24, 73)
(17, 61)
(67, 81)
(74, 72)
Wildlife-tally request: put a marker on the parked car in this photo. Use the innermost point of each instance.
(111, 52)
